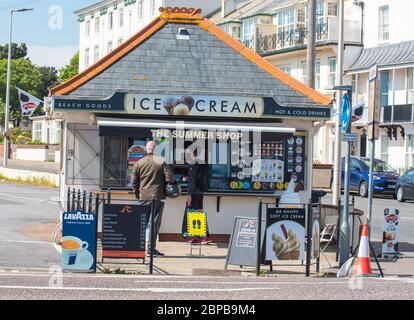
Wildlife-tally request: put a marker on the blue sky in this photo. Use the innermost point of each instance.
(47, 46)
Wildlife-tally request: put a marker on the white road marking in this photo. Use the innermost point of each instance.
(20, 197)
(156, 290)
(190, 279)
(26, 242)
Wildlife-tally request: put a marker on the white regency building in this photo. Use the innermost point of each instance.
(107, 24)
(277, 30)
(389, 43)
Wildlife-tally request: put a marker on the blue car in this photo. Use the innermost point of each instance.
(385, 177)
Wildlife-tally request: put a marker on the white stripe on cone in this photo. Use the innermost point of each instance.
(363, 251)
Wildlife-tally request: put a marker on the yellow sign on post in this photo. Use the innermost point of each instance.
(196, 224)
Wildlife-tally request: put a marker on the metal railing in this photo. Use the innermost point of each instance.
(263, 44)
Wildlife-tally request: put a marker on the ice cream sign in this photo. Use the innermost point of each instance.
(285, 234)
(187, 105)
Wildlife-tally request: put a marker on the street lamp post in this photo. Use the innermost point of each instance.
(345, 112)
(7, 107)
(336, 179)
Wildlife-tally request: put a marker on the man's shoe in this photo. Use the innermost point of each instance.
(156, 253)
(206, 240)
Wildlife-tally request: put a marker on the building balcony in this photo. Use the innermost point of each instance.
(266, 41)
(397, 114)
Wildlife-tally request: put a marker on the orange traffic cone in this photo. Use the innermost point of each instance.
(362, 267)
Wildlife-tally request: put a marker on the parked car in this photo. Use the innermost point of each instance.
(405, 186)
(385, 177)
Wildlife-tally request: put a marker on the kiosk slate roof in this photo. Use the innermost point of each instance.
(210, 63)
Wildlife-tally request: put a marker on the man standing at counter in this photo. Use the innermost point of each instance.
(150, 176)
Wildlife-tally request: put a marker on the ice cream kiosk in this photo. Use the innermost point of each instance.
(182, 80)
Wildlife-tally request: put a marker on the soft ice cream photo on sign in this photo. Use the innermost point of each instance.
(285, 241)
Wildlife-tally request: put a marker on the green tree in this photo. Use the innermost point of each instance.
(49, 78)
(26, 76)
(2, 111)
(18, 51)
(71, 70)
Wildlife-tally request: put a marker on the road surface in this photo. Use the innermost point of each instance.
(24, 207)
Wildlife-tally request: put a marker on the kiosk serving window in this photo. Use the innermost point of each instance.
(237, 162)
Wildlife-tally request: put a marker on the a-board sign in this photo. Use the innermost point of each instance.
(79, 241)
(243, 243)
(196, 224)
(124, 230)
(285, 234)
(391, 233)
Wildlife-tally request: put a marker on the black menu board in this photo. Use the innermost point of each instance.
(124, 230)
(295, 158)
(276, 163)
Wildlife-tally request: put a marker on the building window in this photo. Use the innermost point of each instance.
(152, 7)
(409, 85)
(248, 31)
(97, 25)
(304, 67)
(86, 57)
(332, 72)
(141, 10)
(409, 150)
(111, 20)
(286, 21)
(301, 15)
(109, 46)
(317, 74)
(385, 84)
(333, 9)
(320, 19)
(235, 32)
(384, 148)
(96, 54)
(57, 133)
(121, 17)
(37, 134)
(88, 28)
(285, 69)
(357, 95)
(114, 162)
(383, 21)
(120, 40)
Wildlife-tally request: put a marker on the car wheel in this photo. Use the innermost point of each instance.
(400, 194)
(363, 189)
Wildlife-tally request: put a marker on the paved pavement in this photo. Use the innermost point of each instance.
(26, 207)
(128, 287)
(38, 166)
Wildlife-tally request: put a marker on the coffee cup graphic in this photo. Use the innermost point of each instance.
(71, 248)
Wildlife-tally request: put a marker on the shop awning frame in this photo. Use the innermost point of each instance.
(228, 126)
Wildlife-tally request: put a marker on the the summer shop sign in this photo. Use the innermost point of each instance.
(79, 241)
(179, 105)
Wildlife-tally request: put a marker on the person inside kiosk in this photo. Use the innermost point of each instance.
(197, 184)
